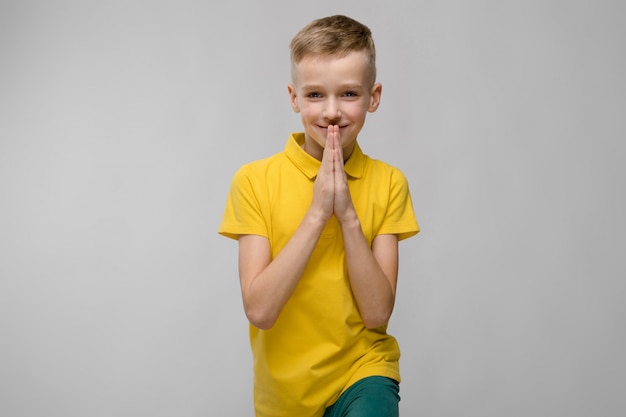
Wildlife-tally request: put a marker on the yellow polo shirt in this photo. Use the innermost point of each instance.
(319, 345)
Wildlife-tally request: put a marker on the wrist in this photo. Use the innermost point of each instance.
(350, 221)
(316, 218)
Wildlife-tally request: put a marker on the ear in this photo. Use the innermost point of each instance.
(377, 90)
(293, 98)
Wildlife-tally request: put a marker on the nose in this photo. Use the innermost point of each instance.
(331, 110)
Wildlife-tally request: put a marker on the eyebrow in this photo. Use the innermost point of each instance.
(351, 86)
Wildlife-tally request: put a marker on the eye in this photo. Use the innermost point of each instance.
(314, 94)
(350, 94)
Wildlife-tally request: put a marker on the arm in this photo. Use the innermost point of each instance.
(267, 284)
(372, 271)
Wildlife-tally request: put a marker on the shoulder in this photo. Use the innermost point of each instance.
(378, 169)
(259, 167)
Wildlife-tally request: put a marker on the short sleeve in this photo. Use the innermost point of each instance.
(400, 218)
(243, 213)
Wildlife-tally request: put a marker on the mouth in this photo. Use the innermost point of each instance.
(326, 127)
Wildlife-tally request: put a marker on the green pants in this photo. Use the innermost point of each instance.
(375, 396)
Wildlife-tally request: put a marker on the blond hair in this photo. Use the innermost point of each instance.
(333, 35)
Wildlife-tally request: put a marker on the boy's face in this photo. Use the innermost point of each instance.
(332, 90)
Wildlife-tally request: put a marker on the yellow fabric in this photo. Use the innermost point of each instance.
(318, 346)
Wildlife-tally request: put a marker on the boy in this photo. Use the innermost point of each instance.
(318, 227)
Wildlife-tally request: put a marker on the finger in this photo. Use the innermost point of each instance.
(338, 151)
(331, 137)
(338, 166)
(327, 152)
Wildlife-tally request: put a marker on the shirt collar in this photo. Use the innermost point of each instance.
(354, 166)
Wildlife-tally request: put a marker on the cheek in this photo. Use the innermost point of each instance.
(356, 112)
(308, 113)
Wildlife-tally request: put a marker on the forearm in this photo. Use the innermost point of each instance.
(266, 291)
(372, 288)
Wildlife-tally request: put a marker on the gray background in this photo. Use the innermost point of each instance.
(121, 124)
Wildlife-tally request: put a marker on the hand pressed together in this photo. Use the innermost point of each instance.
(331, 193)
